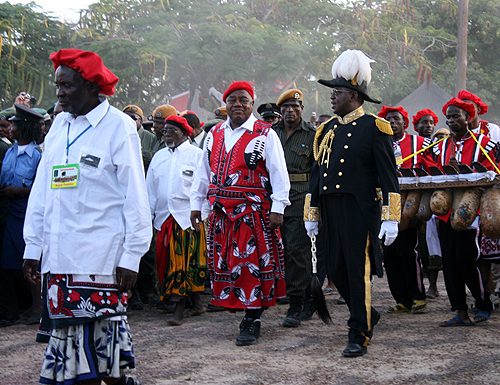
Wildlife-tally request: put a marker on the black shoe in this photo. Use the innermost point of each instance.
(341, 301)
(135, 302)
(308, 310)
(292, 319)
(249, 332)
(214, 308)
(354, 350)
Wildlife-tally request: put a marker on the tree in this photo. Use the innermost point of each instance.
(27, 37)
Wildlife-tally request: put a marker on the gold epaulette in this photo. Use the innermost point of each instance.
(319, 131)
(383, 125)
(310, 213)
(392, 212)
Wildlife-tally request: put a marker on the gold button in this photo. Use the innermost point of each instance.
(325, 175)
(340, 173)
(335, 126)
(376, 199)
(354, 123)
(324, 187)
(346, 146)
(337, 186)
(349, 135)
(341, 160)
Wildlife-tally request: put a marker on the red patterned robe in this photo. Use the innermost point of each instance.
(245, 257)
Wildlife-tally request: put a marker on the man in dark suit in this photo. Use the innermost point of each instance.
(355, 169)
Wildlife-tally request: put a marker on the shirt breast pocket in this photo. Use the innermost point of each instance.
(301, 156)
(187, 177)
(91, 167)
(26, 177)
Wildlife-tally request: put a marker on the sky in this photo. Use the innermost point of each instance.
(64, 10)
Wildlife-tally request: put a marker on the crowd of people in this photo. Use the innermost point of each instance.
(104, 210)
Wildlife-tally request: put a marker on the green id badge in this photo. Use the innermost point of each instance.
(65, 176)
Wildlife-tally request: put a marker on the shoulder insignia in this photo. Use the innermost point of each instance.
(383, 125)
(39, 149)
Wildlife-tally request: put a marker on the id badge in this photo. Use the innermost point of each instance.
(65, 176)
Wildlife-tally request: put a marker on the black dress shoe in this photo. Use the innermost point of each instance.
(249, 332)
(9, 321)
(354, 350)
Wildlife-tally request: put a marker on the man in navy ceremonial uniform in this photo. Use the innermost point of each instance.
(355, 168)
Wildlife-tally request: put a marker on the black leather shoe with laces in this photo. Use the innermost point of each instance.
(249, 332)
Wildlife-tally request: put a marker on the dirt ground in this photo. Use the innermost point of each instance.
(406, 349)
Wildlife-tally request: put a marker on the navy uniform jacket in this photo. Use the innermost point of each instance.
(361, 163)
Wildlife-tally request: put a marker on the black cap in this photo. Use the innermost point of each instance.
(269, 109)
(24, 113)
(341, 82)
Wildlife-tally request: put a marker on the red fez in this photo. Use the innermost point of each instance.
(466, 95)
(238, 86)
(385, 110)
(420, 114)
(468, 107)
(90, 66)
(180, 122)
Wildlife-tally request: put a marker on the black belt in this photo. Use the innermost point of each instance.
(299, 177)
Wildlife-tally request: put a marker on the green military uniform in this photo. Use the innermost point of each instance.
(298, 149)
(148, 143)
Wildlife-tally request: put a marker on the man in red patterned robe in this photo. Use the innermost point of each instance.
(243, 173)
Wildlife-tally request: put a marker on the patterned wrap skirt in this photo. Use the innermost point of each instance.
(245, 261)
(181, 258)
(89, 336)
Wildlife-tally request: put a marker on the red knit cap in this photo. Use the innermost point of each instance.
(238, 86)
(180, 122)
(90, 65)
(385, 110)
(469, 108)
(466, 95)
(420, 114)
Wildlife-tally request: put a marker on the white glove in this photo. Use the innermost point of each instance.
(390, 230)
(311, 227)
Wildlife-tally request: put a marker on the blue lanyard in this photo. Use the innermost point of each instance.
(68, 144)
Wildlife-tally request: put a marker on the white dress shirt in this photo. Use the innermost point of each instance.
(169, 179)
(104, 221)
(273, 156)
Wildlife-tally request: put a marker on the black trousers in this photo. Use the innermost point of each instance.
(460, 253)
(297, 256)
(347, 258)
(403, 268)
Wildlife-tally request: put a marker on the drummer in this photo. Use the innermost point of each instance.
(460, 248)
(402, 262)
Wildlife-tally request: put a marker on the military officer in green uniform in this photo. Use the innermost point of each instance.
(355, 169)
(297, 137)
(148, 139)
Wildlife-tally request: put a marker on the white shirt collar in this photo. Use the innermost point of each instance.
(182, 147)
(248, 124)
(94, 116)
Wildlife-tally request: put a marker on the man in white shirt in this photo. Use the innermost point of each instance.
(180, 252)
(88, 213)
(243, 173)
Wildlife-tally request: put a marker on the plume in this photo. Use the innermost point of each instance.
(353, 64)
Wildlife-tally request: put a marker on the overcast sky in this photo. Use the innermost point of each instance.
(64, 10)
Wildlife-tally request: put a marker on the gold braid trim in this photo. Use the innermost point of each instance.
(383, 125)
(392, 211)
(316, 147)
(310, 213)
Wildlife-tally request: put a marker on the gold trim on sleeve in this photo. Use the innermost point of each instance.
(310, 213)
(392, 211)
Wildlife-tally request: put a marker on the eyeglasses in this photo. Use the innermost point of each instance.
(170, 131)
(336, 92)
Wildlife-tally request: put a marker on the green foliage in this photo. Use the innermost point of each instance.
(159, 48)
(26, 39)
